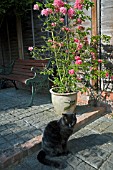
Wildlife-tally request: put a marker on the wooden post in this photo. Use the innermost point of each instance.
(94, 26)
(94, 18)
(32, 24)
(19, 37)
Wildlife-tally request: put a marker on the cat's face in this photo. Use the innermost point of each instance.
(69, 119)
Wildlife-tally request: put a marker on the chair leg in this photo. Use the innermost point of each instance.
(32, 96)
(13, 81)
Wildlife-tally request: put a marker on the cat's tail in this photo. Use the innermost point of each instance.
(42, 159)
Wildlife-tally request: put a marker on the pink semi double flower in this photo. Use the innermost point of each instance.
(100, 60)
(76, 40)
(78, 62)
(46, 11)
(62, 19)
(71, 72)
(58, 3)
(77, 58)
(30, 48)
(78, 5)
(79, 46)
(53, 24)
(63, 10)
(36, 7)
(71, 12)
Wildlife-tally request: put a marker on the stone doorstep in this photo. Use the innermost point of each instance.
(34, 144)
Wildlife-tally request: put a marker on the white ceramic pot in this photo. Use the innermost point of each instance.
(63, 102)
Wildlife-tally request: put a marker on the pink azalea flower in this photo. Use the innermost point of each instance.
(65, 29)
(78, 62)
(111, 77)
(50, 41)
(53, 24)
(79, 21)
(71, 72)
(78, 5)
(62, 19)
(36, 7)
(100, 60)
(80, 27)
(77, 58)
(58, 3)
(71, 12)
(63, 10)
(30, 48)
(79, 78)
(76, 40)
(46, 11)
(79, 46)
(93, 55)
(107, 74)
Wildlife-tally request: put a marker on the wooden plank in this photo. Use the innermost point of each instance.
(94, 26)
(94, 18)
(19, 36)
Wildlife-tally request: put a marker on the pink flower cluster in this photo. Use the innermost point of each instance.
(58, 3)
(71, 72)
(53, 24)
(63, 10)
(62, 19)
(78, 60)
(30, 48)
(36, 7)
(66, 29)
(71, 12)
(59, 7)
(78, 5)
(107, 75)
(46, 11)
(79, 46)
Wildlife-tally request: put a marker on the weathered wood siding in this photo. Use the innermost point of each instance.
(107, 18)
(8, 41)
(27, 34)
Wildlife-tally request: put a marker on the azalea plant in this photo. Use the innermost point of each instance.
(69, 45)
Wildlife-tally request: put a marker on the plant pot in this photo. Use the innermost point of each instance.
(63, 102)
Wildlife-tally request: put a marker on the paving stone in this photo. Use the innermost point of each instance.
(106, 166)
(10, 137)
(91, 158)
(2, 128)
(110, 159)
(74, 161)
(83, 166)
(90, 146)
(16, 141)
(2, 140)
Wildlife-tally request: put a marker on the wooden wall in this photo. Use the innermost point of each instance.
(107, 18)
(31, 31)
(8, 40)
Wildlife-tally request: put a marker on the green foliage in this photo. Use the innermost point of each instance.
(67, 42)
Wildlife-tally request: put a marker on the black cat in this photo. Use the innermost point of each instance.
(55, 137)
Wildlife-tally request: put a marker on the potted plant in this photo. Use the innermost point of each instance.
(71, 48)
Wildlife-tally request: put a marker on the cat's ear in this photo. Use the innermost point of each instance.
(64, 114)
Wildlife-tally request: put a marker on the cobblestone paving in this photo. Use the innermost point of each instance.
(91, 147)
(20, 123)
